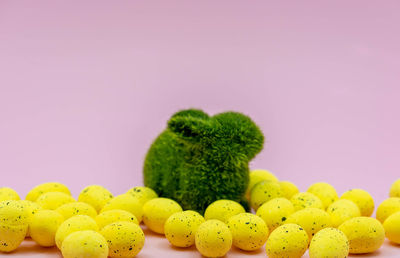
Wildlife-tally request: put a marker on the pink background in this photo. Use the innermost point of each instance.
(86, 87)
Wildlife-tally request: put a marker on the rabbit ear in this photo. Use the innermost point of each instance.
(189, 127)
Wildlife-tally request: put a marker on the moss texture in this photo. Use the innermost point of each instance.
(198, 159)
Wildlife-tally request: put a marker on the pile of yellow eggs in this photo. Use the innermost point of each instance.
(286, 221)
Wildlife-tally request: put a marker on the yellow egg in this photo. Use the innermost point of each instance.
(258, 175)
(95, 195)
(392, 227)
(31, 208)
(111, 216)
(329, 242)
(275, 212)
(180, 228)
(223, 210)
(157, 211)
(387, 208)
(38, 190)
(86, 243)
(263, 192)
(53, 200)
(7, 193)
(73, 224)
(306, 200)
(213, 238)
(288, 189)
(311, 219)
(325, 192)
(249, 232)
(76, 208)
(44, 225)
(13, 225)
(365, 234)
(142, 193)
(289, 240)
(125, 239)
(125, 202)
(363, 200)
(342, 210)
(395, 189)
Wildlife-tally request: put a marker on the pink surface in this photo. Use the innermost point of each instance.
(86, 87)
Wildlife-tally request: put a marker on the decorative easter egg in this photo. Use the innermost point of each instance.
(96, 196)
(306, 200)
(249, 232)
(263, 192)
(392, 227)
(289, 189)
(325, 192)
(157, 211)
(395, 189)
(6, 193)
(38, 190)
(258, 175)
(86, 243)
(53, 200)
(342, 210)
(31, 208)
(76, 208)
(365, 234)
(111, 216)
(142, 193)
(125, 239)
(329, 242)
(73, 224)
(125, 202)
(289, 240)
(387, 208)
(311, 220)
(213, 238)
(180, 228)
(362, 198)
(275, 212)
(44, 225)
(223, 210)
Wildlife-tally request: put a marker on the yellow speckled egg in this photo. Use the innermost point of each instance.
(249, 232)
(329, 242)
(125, 202)
(289, 240)
(142, 193)
(111, 216)
(44, 225)
(325, 192)
(306, 200)
(362, 198)
(53, 200)
(256, 176)
(95, 195)
(365, 234)
(395, 189)
(288, 189)
(73, 224)
(125, 239)
(180, 228)
(213, 238)
(311, 219)
(6, 193)
(387, 208)
(31, 208)
(157, 211)
(263, 192)
(38, 190)
(86, 243)
(392, 227)
(223, 210)
(76, 208)
(342, 210)
(13, 225)
(275, 212)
